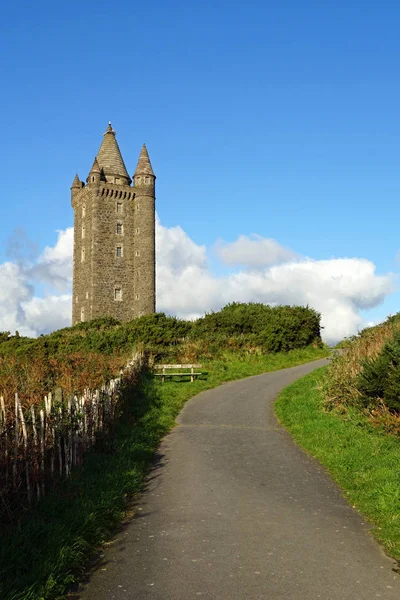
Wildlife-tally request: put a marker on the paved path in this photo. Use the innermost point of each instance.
(235, 511)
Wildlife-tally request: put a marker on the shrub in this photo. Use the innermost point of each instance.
(341, 386)
(249, 328)
(276, 329)
(380, 378)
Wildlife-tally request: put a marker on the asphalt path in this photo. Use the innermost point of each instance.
(234, 510)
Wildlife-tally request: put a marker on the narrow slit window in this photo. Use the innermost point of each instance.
(83, 231)
(119, 228)
(119, 251)
(83, 255)
(119, 207)
(118, 294)
(136, 296)
(137, 253)
(137, 230)
(84, 210)
(82, 314)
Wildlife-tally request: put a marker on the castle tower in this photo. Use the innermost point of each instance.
(114, 237)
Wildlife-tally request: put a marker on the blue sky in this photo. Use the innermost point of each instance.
(279, 119)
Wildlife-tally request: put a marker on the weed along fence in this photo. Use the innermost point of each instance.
(41, 443)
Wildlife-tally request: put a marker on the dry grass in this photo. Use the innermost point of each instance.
(33, 378)
(340, 384)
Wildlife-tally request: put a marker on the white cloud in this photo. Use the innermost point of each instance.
(54, 265)
(20, 309)
(339, 288)
(49, 313)
(253, 251)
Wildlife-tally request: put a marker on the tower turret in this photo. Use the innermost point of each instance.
(145, 250)
(94, 174)
(75, 187)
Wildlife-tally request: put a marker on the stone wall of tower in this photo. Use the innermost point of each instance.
(82, 202)
(144, 245)
(113, 227)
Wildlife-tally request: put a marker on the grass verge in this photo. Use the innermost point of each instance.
(47, 550)
(364, 462)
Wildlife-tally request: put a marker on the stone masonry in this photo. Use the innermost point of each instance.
(114, 237)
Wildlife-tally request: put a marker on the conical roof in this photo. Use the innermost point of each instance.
(95, 168)
(144, 165)
(109, 157)
(76, 182)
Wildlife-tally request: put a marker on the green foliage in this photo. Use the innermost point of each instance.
(5, 336)
(103, 336)
(380, 377)
(240, 327)
(273, 329)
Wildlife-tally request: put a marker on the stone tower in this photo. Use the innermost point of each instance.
(114, 237)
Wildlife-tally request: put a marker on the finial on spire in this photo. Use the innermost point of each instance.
(110, 129)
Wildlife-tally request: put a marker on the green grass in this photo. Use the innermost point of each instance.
(48, 549)
(365, 462)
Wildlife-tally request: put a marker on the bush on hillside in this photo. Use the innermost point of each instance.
(380, 378)
(249, 328)
(368, 371)
(274, 329)
(103, 336)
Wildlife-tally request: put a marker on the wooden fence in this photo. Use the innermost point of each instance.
(38, 445)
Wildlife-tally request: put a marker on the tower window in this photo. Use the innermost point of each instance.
(83, 231)
(147, 179)
(137, 206)
(87, 295)
(82, 314)
(118, 294)
(137, 253)
(83, 255)
(119, 228)
(76, 299)
(84, 210)
(119, 207)
(119, 251)
(137, 230)
(138, 179)
(136, 296)
(93, 177)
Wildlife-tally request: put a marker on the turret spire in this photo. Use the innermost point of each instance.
(109, 158)
(76, 182)
(144, 165)
(95, 168)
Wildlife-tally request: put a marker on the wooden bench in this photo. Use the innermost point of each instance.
(164, 373)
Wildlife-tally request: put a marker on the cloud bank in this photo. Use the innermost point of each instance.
(265, 271)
